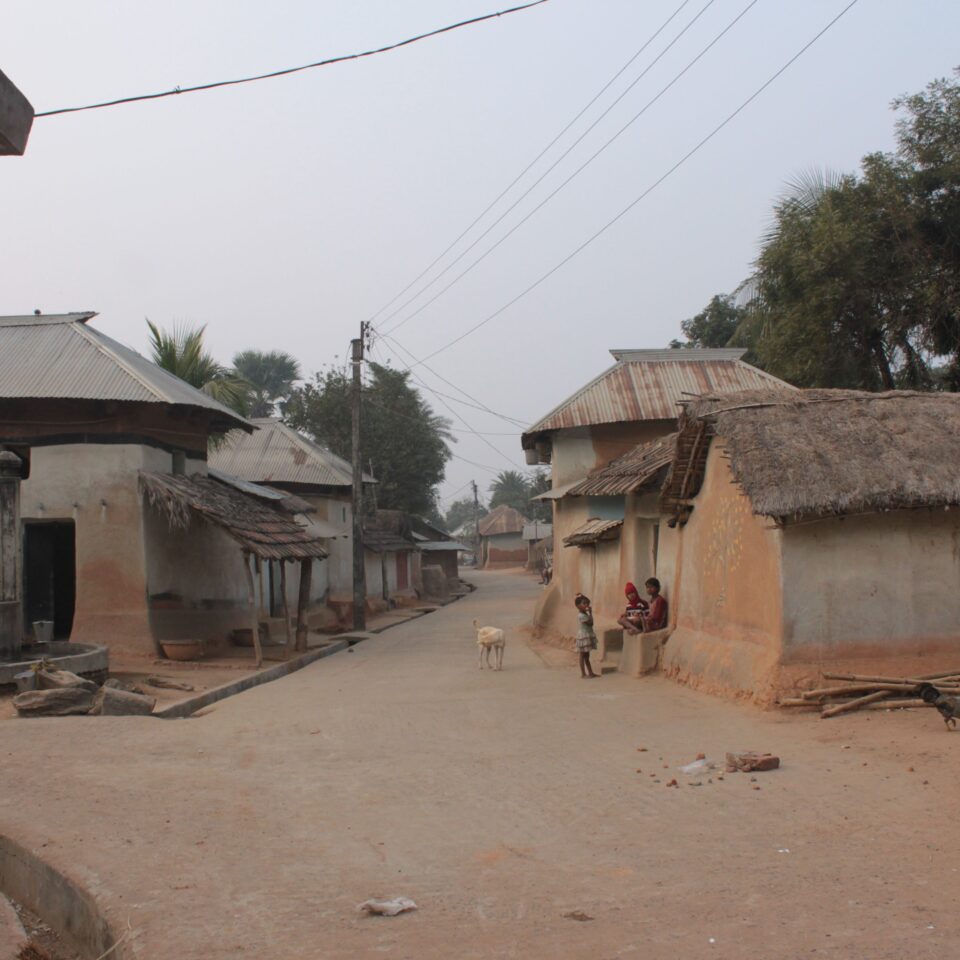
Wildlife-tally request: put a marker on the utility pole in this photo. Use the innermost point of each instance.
(476, 524)
(359, 573)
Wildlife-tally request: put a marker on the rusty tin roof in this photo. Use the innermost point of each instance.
(502, 519)
(649, 385)
(593, 531)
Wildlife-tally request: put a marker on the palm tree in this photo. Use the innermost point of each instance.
(270, 376)
(512, 488)
(180, 351)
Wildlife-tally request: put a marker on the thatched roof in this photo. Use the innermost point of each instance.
(639, 468)
(259, 528)
(824, 452)
(593, 531)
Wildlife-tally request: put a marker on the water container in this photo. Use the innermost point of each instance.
(43, 631)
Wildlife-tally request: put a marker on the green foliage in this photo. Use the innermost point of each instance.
(515, 490)
(181, 351)
(270, 375)
(461, 512)
(857, 283)
(404, 441)
(714, 326)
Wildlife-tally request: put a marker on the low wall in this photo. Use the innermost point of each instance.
(59, 902)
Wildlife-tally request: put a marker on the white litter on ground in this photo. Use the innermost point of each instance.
(387, 908)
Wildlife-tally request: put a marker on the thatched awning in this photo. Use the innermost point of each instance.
(818, 453)
(593, 531)
(259, 528)
(638, 469)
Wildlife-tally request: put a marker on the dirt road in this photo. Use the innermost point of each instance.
(499, 802)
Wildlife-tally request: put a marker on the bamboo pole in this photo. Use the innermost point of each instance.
(860, 688)
(254, 616)
(854, 704)
(286, 605)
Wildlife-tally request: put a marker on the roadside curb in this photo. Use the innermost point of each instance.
(184, 708)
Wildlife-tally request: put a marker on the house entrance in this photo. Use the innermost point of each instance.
(50, 574)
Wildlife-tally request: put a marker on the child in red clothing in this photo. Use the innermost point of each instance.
(655, 616)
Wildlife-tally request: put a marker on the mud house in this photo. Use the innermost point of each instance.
(501, 538)
(91, 419)
(809, 530)
(606, 527)
(280, 457)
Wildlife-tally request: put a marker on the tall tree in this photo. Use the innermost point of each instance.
(271, 376)
(404, 442)
(538, 483)
(513, 489)
(714, 326)
(461, 512)
(181, 351)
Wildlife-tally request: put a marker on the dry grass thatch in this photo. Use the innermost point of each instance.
(502, 519)
(638, 469)
(825, 452)
(258, 528)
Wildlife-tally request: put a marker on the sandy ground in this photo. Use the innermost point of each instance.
(499, 802)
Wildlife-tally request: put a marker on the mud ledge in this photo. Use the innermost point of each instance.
(58, 901)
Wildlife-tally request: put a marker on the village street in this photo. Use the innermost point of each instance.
(499, 802)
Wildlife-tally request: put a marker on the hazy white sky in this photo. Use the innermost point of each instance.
(283, 213)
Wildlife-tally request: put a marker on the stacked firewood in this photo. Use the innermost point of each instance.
(871, 693)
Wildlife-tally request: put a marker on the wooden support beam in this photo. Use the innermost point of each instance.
(303, 599)
(286, 605)
(254, 615)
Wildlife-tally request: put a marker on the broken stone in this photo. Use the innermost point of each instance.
(58, 702)
(123, 703)
(749, 761)
(55, 679)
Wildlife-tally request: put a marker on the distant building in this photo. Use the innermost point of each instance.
(501, 538)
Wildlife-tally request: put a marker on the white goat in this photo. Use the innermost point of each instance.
(490, 639)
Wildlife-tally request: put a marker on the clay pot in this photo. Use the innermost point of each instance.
(182, 649)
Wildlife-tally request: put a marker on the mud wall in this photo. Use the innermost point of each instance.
(873, 587)
(727, 605)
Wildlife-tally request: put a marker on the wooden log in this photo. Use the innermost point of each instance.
(914, 681)
(306, 575)
(860, 688)
(897, 705)
(854, 704)
(254, 616)
(286, 606)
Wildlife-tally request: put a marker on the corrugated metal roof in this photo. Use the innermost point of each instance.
(431, 546)
(276, 453)
(537, 530)
(502, 519)
(593, 531)
(557, 493)
(630, 473)
(649, 384)
(57, 356)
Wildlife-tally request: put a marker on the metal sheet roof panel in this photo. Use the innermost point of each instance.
(276, 453)
(60, 357)
(649, 385)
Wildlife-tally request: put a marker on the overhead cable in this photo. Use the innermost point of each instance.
(676, 166)
(176, 91)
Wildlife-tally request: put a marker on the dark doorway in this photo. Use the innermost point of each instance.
(50, 574)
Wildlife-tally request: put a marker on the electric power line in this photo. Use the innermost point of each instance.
(572, 176)
(176, 91)
(529, 166)
(586, 243)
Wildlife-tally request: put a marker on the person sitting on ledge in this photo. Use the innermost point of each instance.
(632, 619)
(655, 615)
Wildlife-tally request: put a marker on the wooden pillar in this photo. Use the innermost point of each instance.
(11, 611)
(286, 605)
(264, 607)
(254, 615)
(306, 577)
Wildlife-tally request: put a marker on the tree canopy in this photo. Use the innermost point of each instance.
(515, 490)
(270, 376)
(405, 444)
(857, 283)
(460, 512)
(181, 351)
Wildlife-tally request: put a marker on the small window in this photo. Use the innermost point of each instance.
(179, 463)
(343, 512)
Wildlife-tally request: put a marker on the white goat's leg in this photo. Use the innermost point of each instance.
(480, 648)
